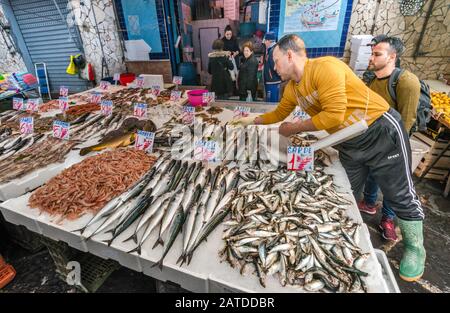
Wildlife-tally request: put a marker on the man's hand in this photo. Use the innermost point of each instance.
(287, 129)
(243, 121)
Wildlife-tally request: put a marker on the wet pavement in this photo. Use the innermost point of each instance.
(36, 271)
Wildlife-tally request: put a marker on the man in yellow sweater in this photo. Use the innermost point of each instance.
(335, 98)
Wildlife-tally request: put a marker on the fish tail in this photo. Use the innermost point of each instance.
(159, 241)
(134, 237)
(181, 259)
(80, 230)
(137, 249)
(159, 264)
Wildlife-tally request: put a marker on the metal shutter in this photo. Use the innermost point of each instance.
(49, 39)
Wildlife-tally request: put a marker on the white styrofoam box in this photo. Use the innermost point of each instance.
(364, 50)
(137, 50)
(387, 271)
(153, 80)
(355, 58)
(361, 40)
(15, 212)
(359, 66)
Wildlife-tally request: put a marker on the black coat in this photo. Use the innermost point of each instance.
(247, 79)
(218, 66)
(232, 46)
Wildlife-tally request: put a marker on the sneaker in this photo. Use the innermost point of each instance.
(367, 208)
(387, 227)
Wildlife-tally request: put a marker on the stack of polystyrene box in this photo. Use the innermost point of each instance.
(360, 53)
(231, 9)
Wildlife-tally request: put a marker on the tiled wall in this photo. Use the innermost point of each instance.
(274, 21)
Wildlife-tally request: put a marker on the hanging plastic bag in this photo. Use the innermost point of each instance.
(71, 69)
(234, 71)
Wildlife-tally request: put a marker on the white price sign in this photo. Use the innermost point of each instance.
(208, 97)
(140, 82)
(32, 105)
(175, 95)
(177, 80)
(300, 158)
(96, 97)
(241, 112)
(61, 130)
(156, 90)
(144, 141)
(140, 110)
(63, 91)
(106, 107)
(18, 104)
(205, 150)
(63, 103)
(300, 115)
(188, 115)
(26, 125)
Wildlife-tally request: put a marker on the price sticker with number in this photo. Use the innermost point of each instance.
(300, 158)
(188, 115)
(144, 141)
(177, 80)
(175, 95)
(18, 104)
(208, 97)
(140, 110)
(116, 77)
(106, 107)
(32, 105)
(63, 91)
(96, 97)
(104, 85)
(156, 90)
(63, 103)
(241, 112)
(140, 82)
(61, 130)
(26, 125)
(300, 115)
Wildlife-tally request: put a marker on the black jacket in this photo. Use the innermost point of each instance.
(218, 66)
(247, 76)
(232, 46)
(270, 75)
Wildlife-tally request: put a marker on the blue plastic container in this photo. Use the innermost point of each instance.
(188, 72)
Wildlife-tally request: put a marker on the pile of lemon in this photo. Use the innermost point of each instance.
(441, 105)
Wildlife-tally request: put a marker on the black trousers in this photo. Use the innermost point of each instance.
(384, 150)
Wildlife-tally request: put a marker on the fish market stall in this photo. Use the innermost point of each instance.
(247, 225)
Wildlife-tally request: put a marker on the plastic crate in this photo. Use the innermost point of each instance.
(23, 237)
(7, 274)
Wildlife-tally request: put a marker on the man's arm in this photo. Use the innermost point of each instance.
(408, 94)
(284, 108)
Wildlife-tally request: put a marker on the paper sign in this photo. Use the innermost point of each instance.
(106, 107)
(61, 130)
(156, 90)
(208, 97)
(241, 112)
(175, 95)
(144, 141)
(300, 158)
(177, 80)
(104, 85)
(140, 110)
(63, 103)
(116, 76)
(96, 97)
(205, 150)
(300, 115)
(32, 105)
(188, 115)
(140, 82)
(26, 125)
(18, 104)
(63, 91)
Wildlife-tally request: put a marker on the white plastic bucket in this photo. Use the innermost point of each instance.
(419, 150)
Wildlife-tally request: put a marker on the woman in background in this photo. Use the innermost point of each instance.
(219, 65)
(247, 80)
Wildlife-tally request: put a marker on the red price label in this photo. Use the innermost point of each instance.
(140, 82)
(63, 91)
(300, 158)
(63, 103)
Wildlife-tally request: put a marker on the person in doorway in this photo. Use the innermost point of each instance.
(385, 53)
(334, 97)
(230, 44)
(219, 65)
(247, 80)
(272, 81)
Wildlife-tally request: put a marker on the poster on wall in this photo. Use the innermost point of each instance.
(319, 22)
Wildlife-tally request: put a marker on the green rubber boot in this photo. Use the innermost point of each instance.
(412, 264)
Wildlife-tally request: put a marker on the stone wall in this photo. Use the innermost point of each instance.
(10, 58)
(436, 41)
(109, 36)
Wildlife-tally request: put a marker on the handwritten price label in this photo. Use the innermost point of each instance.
(96, 97)
(106, 107)
(241, 112)
(205, 150)
(26, 125)
(63, 91)
(61, 130)
(140, 110)
(104, 85)
(140, 82)
(32, 105)
(63, 103)
(18, 104)
(300, 115)
(156, 90)
(208, 97)
(177, 80)
(188, 115)
(116, 77)
(144, 141)
(175, 95)
(300, 158)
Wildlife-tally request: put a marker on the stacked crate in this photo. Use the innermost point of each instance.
(360, 53)
(440, 170)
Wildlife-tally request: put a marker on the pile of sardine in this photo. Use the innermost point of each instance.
(293, 224)
(173, 197)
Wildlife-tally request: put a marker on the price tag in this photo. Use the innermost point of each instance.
(175, 95)
(18, 104)
(140, 82)
(177, 80)
(188, 115)
(32, 105)
(96, 97)
(63, 91)
(116, 78)
(63, 103)
(26, 125)
(156, 90)
(144, 141)
(300, 158)
(208, 97)
(241, 112)
(104, 85)
(140, 110)
(106, 107)
(300, 115)
(205, 150)
(61, 130)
